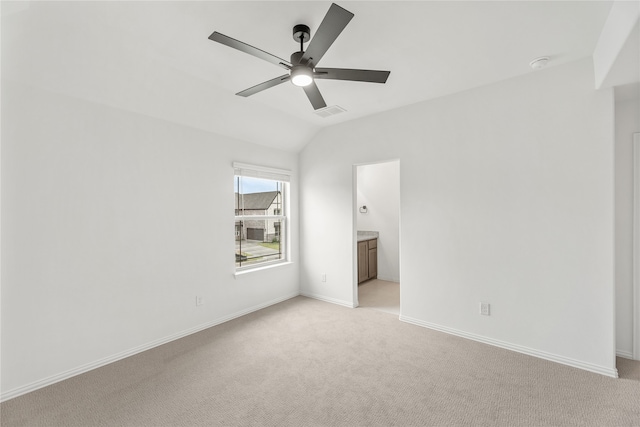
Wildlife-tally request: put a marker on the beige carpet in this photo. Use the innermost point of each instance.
(380, 295)
(308, 363)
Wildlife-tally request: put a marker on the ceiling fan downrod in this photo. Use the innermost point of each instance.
(301, 33)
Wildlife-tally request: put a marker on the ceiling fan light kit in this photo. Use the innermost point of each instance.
(301, 75)
(301, 68)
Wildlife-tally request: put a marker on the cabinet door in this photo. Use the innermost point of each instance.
(363, 262)
(373, 263)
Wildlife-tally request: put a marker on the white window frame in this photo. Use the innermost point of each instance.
(284, 176)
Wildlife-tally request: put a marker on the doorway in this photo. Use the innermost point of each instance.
(376, 220)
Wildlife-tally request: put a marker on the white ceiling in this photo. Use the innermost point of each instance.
(155, 58)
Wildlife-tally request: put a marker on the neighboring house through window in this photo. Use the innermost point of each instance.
(260, 215)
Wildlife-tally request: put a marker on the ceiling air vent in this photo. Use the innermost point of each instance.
(330, 111)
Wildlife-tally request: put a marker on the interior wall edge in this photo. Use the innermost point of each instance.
(389, 279)
(11, 394)
(319, 297)
(636, 249)
(13, 84)
(602, 370)
(624, 354)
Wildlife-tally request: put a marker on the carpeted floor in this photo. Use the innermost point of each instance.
(305, 362)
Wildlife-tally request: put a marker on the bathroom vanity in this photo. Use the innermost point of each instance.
(367, 255)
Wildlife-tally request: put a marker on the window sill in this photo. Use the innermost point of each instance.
(261, 268)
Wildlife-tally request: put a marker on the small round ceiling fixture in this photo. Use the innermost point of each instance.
(539, 63)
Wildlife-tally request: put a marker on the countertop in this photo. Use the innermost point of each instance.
(367, 235)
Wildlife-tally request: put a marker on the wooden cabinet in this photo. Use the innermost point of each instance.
(367, 260)
(363, 262)
(373, 263)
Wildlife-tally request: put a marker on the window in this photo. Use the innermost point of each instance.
(260, 215)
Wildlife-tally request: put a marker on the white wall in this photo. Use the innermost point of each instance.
(506, 197)
(111, 225)
(378, 188)
(627, 117)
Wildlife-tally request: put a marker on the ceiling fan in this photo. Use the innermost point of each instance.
(302, 65)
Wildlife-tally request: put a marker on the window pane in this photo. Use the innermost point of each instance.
(259, 240)
(256, 196)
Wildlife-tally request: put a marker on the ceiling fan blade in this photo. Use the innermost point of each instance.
(258, 53)
(330, 28)
(314, 95)
(264, 85)
(371, 76)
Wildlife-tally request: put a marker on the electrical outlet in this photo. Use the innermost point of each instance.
(485, 308)
(324, 277)
(199, 300)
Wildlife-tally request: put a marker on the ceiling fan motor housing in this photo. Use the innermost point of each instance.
(295, 57)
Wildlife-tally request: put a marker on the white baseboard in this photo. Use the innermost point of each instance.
(518, 348)
(624, 354)
(389, 279)
(122, 355)
(328, 299)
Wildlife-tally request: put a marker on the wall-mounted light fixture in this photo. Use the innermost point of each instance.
(363, 209)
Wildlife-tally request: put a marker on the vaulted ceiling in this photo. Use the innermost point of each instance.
(155, 58)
